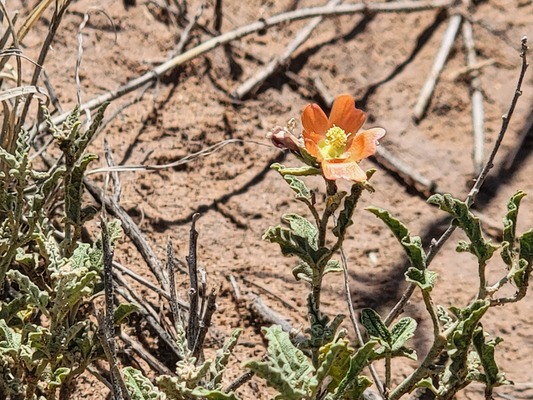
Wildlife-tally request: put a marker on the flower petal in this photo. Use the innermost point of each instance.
(314, 120)
(338, 169)
(312, 148)
(345, 115)
(364, 144)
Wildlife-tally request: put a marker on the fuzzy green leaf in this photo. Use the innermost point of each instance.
(204, 393)
(375, 327)
(526, 246)
(10, 341)
(303, 272)
(425, 279)
(299, 187)
(139, 386)
(479, 247)
(122, 312)
(286, 369)
(411, 244)
(509, 221)
(485, 350)
(300, 171)
(35, 296)
(293, 244)
(222, 358)
(353, 385)
(458, 346)
(302, 227)
(402, 331)
(332, 266)
(345, 216)
(334, 362)
(58, 377)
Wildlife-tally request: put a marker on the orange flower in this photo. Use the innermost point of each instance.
(336, 142)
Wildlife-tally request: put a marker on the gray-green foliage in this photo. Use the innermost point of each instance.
(459, 335)
(336, 376)
(48, 276)
(191, 379)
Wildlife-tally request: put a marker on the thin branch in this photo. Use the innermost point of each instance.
(192, 326)
(152, 361)
(355, 324)
(132, 230)
(156, 326)
(305, 13)
(280, 61)
(267, 316)
(204, 325)
(442, 55)
(476, 97)
(171, 271)
(190, 157)
(108, 327)
(241, 380)
(262, 287)
(186, 33)
(409, 176)
(148, 284)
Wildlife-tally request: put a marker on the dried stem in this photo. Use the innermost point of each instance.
(204, 325)
(132, 230)
(192, 326)
(476, 96)
(442, 55)
(171, 271)
(278, 62)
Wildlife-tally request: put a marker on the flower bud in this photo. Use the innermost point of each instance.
(282, 138)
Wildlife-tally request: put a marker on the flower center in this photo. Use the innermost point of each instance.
(334, 144)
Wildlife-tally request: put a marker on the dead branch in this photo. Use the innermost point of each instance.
(192, 326)
(442, 55)
(410, 177)
(305, 13)
(171, 271)
(153, 362)
(476, 97)
(278, 62)
(132, 230)
(204, 325)
(268, 316)
(186, 33)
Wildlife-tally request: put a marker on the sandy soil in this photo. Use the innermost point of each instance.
(382, 60)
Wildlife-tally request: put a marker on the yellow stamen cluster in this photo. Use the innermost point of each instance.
(334, 144)
(336, 137)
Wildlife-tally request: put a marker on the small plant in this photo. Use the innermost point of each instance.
(325, 366)
(47, 335)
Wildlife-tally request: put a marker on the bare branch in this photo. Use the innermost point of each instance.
(442, 55)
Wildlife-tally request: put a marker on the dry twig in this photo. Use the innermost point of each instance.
(274, 65)
(476, 97)
(442, 55)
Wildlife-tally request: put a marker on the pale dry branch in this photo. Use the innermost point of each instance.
(440, 59)
(250, 84)
(476, 97)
